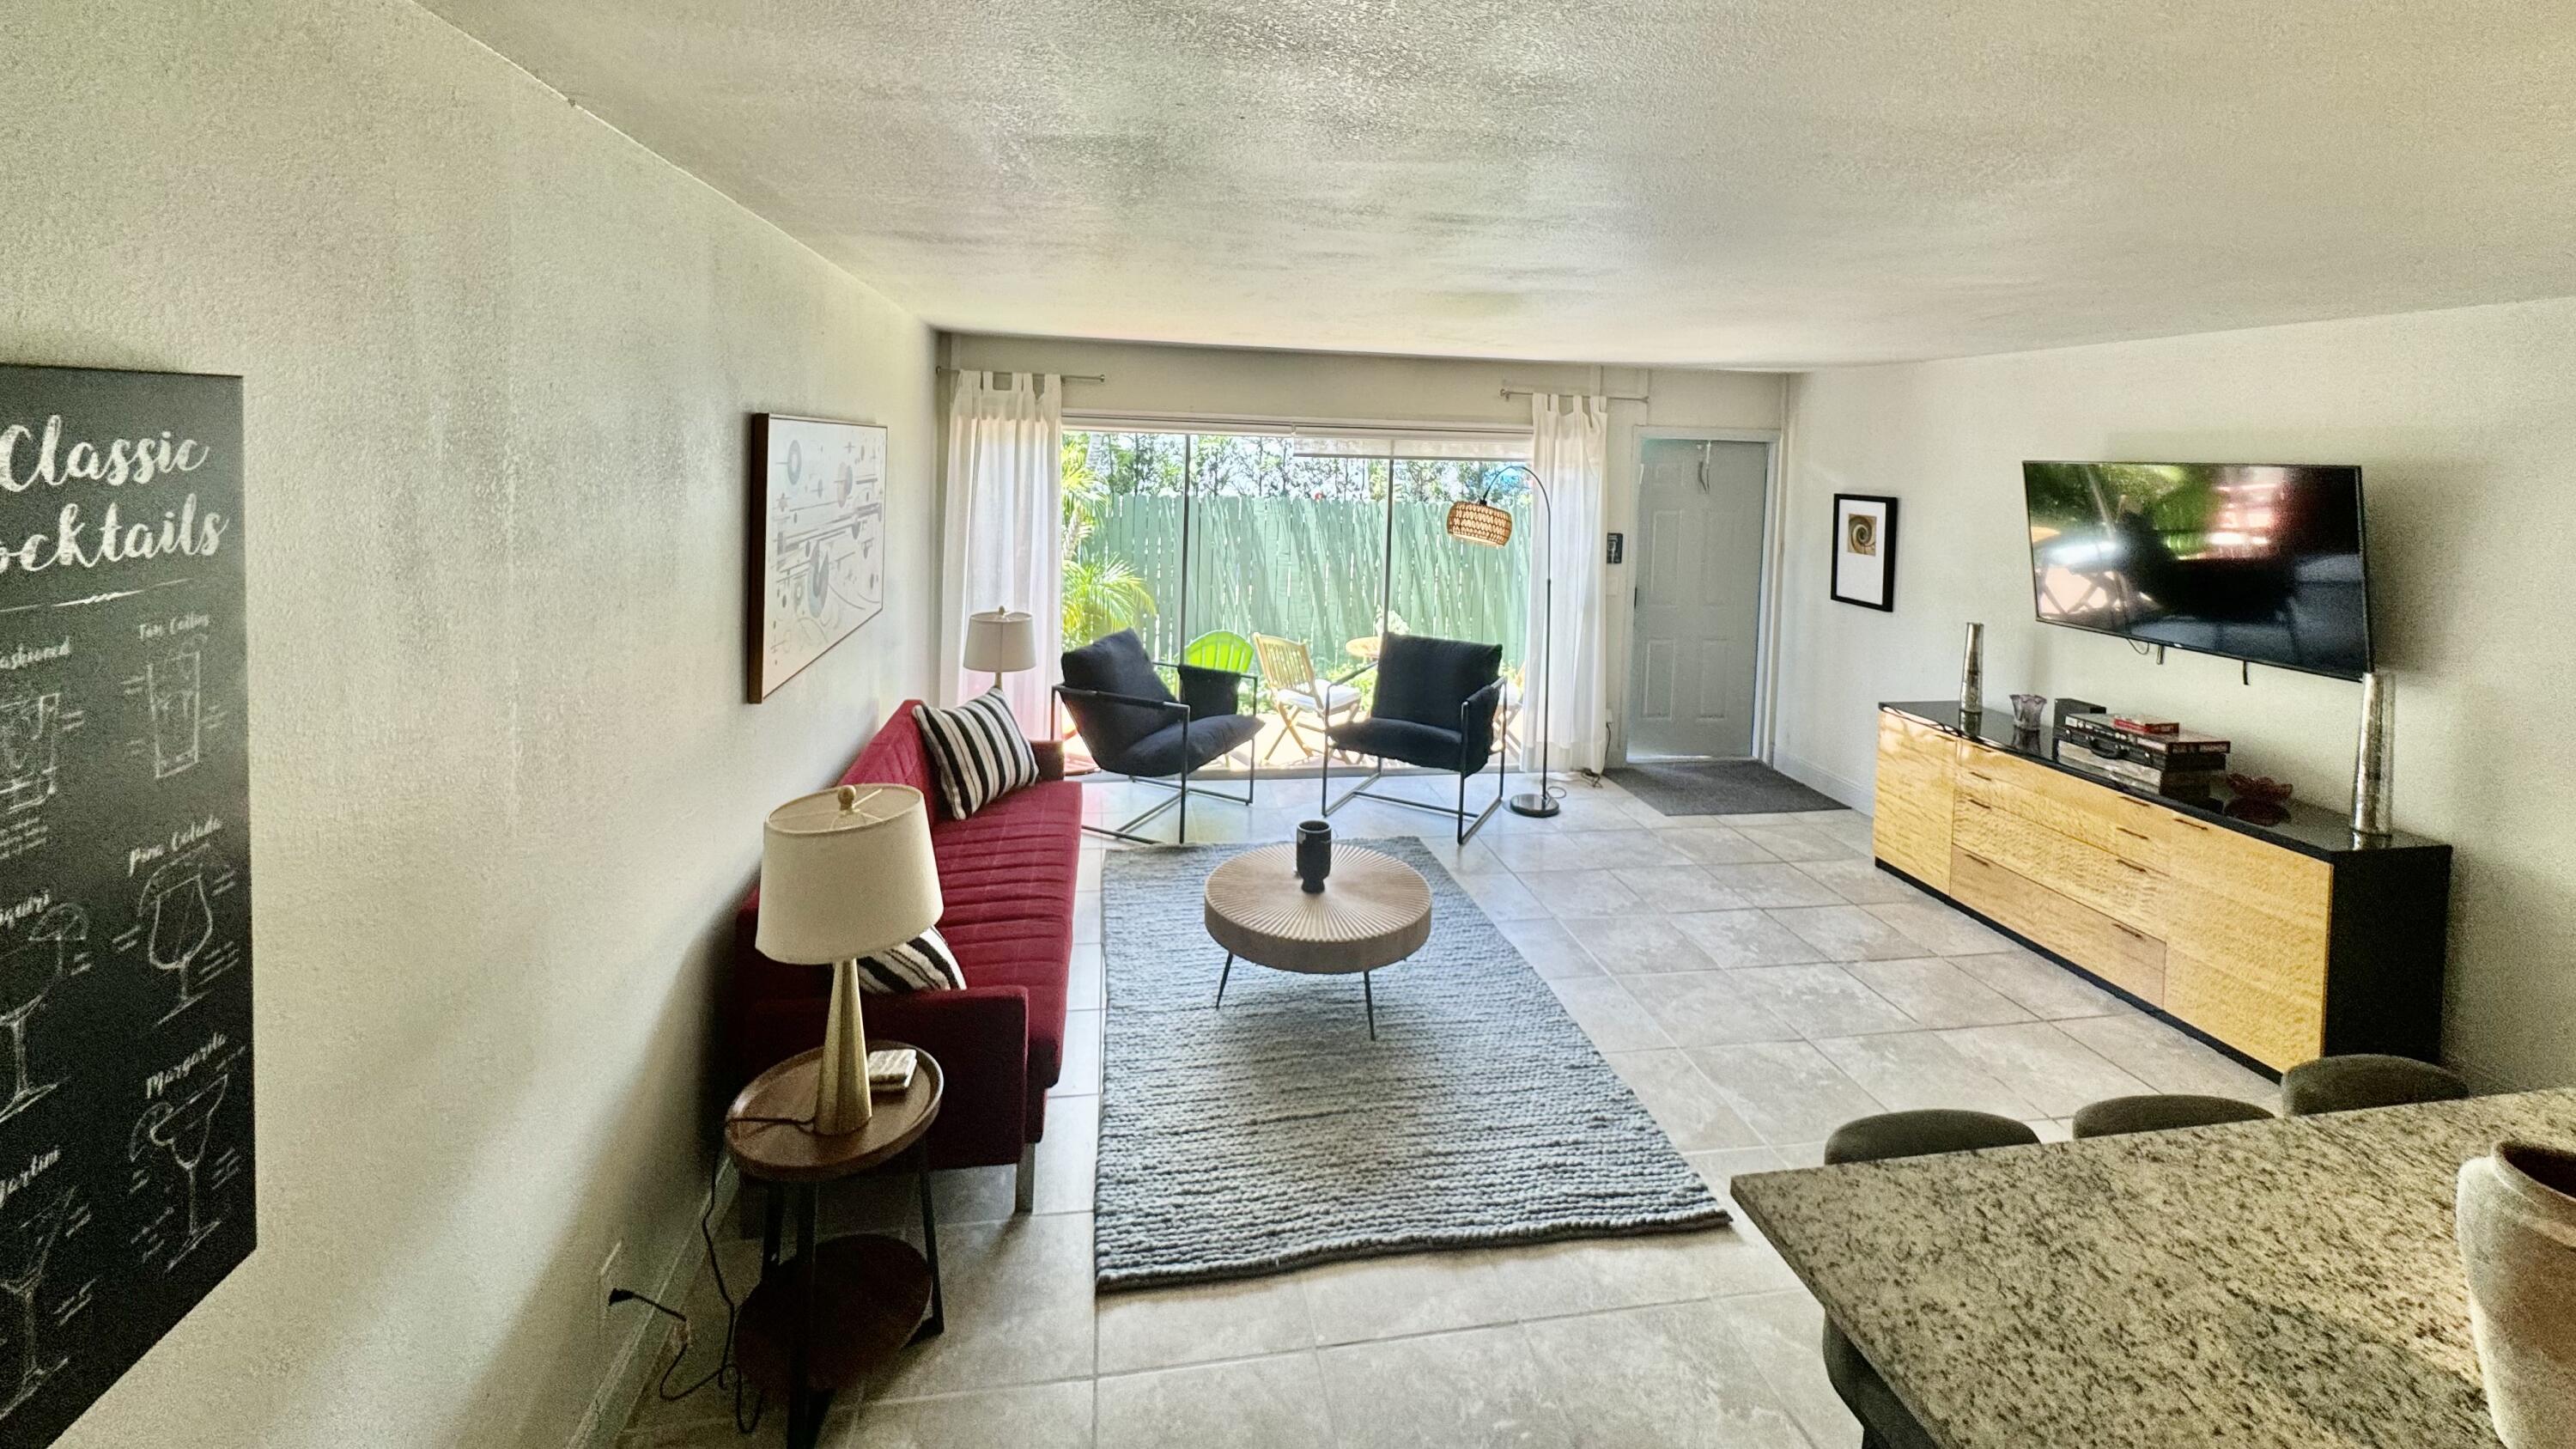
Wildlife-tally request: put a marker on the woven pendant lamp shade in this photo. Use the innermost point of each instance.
(1473, 522)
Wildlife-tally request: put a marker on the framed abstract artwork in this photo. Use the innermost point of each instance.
(818, 541)
(1865, 550)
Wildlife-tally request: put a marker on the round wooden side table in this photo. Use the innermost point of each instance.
(818, 1322)
(1373, 911)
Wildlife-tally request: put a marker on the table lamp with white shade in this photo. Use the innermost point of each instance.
(845, 873)
(1002, 641)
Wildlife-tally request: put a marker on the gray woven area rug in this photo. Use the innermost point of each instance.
(1275, 1134)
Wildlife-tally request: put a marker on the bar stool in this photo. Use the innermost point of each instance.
(1885, 1422)
(2161, 1112)
(2351, 1083)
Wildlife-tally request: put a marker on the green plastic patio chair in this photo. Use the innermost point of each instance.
(1220, 649)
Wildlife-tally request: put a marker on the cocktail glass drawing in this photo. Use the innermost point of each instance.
(30, 727)
(183, 1130)
(182, 922)
(171, 687)
(28, 972)
(31, 1244)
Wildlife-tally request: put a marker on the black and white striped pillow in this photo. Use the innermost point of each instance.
(977, 751)
(923, 963)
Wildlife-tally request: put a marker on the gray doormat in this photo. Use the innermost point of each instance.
(1719, 787)
(1275, 1134)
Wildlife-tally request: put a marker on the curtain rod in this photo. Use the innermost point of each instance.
(1510, 390)
(1060, 377)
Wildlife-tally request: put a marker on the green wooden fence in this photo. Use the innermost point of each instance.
(1312, 570)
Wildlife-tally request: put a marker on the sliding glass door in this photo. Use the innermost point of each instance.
(1208, 544)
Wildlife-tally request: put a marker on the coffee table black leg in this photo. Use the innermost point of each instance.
(804, 1407)
(937, 1322)
(1368, 993)
(1221, 980)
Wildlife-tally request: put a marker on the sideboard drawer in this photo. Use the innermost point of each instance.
(1911, 829)
(2113, 885)
(2125, 957)
(2103, 818)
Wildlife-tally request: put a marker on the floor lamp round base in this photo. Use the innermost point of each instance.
(1539, 805)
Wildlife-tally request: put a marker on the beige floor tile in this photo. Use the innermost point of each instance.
(1780, 1333)
(1019, 1309)
(1773, 883)
(1847, 933)
(1593, 1275)
(1706, 1008)
(2041, 986)
(1401, 1296)
(1822, 1000)
(1261, 1403)
(1084, 987)
(1908, 1071)
(1935, 991)
(1795, 842)
(2052, 1071)
(1939, 929)
(1787, 1091)
(1608, 1014)
(1734, 940)
(1707, 843)
(2169, 1061)
(1674, 888)
(1860, 882)
(1502, 897)
(1574, 893)
(1037, 1416)
(1476, 1389)
(1720, 1168)
(1079, 1075)
(1168, 1327)
(1673, 1374)
(1685, 1104)
(1539, 852)
(1086, 916)
(1068, 1156)
(1549, 949)
(1636, 944)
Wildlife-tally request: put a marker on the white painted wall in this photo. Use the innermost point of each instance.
(2463, 424)
(497, 362)
(1150, 380)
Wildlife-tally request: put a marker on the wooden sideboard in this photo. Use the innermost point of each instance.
(2281, 943)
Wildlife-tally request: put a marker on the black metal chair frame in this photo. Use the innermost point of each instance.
(1467, 827)
(1181, 789)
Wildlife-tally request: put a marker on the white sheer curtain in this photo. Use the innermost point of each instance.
(1004, 512)
(1569, 450)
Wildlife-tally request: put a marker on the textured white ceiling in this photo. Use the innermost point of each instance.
(1737, 182)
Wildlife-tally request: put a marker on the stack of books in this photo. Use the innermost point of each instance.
(2144, 752)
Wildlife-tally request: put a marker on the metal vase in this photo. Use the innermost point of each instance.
(1314, 855)
(2374, 757)
(1972, 674)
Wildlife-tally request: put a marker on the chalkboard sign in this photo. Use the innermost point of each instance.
(125, 923)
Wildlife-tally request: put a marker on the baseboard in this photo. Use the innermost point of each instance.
(641, 1348)
(1817, 777)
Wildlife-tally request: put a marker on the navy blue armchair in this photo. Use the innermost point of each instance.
(1435, 706)
(1134, 727)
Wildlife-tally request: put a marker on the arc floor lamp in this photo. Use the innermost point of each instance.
(1479, 522)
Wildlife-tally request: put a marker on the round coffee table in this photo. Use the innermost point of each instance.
(1373, 911)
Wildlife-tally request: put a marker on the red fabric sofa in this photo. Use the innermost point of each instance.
(1006, 876)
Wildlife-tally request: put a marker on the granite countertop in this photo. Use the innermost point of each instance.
(2289, 1283)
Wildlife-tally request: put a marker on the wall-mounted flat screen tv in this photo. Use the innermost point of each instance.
(2253, 561)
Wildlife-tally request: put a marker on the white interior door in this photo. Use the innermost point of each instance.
(1699, 599)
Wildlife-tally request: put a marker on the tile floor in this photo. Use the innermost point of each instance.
(1752, 978)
